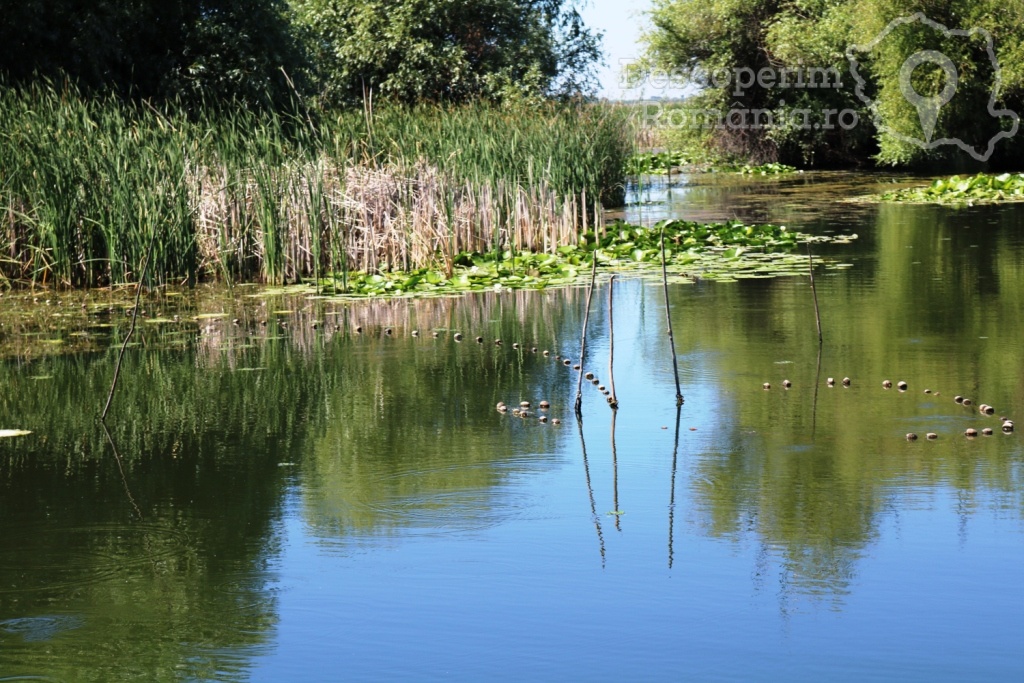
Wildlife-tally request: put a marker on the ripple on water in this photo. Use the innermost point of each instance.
(76, 556)
(41, 628)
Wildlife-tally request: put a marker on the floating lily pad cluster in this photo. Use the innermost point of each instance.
(722, 251)
(977, 189)
(660, 163)
(773, 168)
(656, 163)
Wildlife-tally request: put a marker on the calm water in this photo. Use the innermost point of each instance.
(297, 503)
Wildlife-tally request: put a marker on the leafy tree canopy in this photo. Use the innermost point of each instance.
(230, 49)
(448, 50)
(696, 38)
(264, 51)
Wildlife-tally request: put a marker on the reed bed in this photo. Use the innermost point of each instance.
(87, 184)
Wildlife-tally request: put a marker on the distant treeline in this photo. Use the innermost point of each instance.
(268, 52)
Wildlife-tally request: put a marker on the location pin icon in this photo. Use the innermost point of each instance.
(928, 107)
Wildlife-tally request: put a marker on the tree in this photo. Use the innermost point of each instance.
(225, 49)
(723, 46)
(447, 50)
(814, 37)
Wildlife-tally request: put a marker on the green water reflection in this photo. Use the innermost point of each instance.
(154, 545)
(159, 552)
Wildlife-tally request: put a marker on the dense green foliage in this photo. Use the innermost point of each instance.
(661, 163)
(977, 189)
(451, 50)
(270, 51)
(86, 184)
(195, 49)
(656, 163)
(697, 40)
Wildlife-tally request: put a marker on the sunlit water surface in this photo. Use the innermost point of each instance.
(296, 503)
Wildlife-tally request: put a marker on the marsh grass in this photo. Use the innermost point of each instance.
(242, 196)
(981, 188)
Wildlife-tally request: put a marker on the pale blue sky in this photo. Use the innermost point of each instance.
(622, 22)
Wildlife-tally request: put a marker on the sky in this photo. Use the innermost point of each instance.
(621, 21)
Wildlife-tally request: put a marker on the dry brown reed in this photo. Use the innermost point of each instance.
(377, 218)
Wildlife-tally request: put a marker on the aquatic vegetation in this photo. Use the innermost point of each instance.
(712, 251)
(656, 163)
(976, 189)
(773, 168)
(661, 163)
(87, 184)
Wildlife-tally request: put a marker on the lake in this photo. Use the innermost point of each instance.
(279, 495)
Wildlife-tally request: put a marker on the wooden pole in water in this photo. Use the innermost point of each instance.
(814, 293)
(583, 339)
(668, 318)
(131, 330)
(614, 402)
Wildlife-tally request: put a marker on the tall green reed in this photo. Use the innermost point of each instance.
(234, 194)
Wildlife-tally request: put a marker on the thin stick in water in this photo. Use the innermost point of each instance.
(668, 318)
(131, 330)
(583, 337)
(614, 402)
(814, 292)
